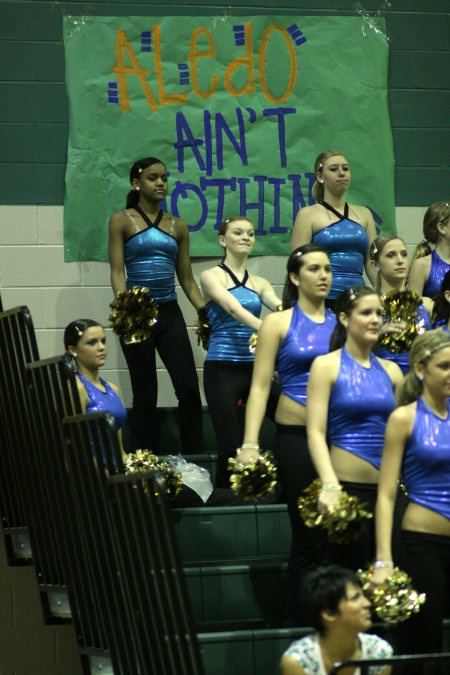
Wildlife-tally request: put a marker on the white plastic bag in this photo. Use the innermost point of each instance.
(195, 477)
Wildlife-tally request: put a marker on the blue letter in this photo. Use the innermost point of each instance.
(190, 142)
(280, 113)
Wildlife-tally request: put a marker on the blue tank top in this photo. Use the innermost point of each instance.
(150, 258)
(402, 359)
(346, 243)
(104, 401)
(229, 338)
(304, 340)
(360, 403)
(438, 270)
(426, 462)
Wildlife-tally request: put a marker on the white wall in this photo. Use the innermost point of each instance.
(33, 273)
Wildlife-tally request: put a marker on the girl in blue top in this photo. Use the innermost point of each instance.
(429, 265)
(289, 341)
(85, 341)
(350, 396)
(147, 247)
(418, 446)
(344, 230)
(389, 258)
(234, 299)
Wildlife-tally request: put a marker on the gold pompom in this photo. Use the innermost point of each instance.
(343, 523)
(203, 328)
(395, 599)
(145, 460)
(401, 306)
(254, 480)
(252, 342)
(133, 314)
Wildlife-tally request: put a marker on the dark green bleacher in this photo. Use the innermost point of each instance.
(235, 560)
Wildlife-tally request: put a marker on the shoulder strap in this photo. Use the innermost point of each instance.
(147, 220)
(233, 276)
(333, 210)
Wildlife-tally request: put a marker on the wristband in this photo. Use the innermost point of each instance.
(331, 487)
(383, 565)
(250, 446)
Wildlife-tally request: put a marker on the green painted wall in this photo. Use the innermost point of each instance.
(33, 108)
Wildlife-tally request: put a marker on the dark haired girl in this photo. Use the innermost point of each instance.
(288, 342)
(350, 396)
(146, 247)
(340, 613)
(85, 341)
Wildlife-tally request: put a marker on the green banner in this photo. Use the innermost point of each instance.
(236, 108)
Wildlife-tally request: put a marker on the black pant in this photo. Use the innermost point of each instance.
(226, 383)
(295, 472)
(169, 337)
(426, 558)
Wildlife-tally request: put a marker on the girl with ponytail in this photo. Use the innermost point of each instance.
(147, 246)
(288, 343)
(344, 230)
(429, 266)
(417, 445)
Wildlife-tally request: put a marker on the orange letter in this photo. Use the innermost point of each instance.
(246, 62)
(122, 43)
(195, 54)
(164, 99)
(262, 64)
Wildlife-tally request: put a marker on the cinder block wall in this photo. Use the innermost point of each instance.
(33, 273)
(33, 144)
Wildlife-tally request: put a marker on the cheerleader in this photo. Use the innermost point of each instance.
(234, 299)
(441, 310)
(344, 230)
(146, 247)
(430, 265)
(288, 342)
(350, 396)
(418, 445)
(85, 341)
(389, 258)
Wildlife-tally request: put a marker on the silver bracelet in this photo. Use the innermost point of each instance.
(383, 565)
(331, 487)
(250, 446)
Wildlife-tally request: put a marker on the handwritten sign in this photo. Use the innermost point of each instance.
(236, 109)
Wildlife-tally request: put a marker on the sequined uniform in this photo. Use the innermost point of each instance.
(104, 401)
(228, 371)
(303, 342)
(150, 260)
(346, 243)
(359, 406)
(426, 557)
(438, 270)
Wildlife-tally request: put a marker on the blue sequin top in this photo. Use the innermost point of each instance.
(229, 339)
(346, 243)
(104, 401)
(438, 270)
(304, 340)
(150, 258)
(361, 401)
(426, 462)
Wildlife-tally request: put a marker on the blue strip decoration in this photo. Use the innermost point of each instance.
(146, 41)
